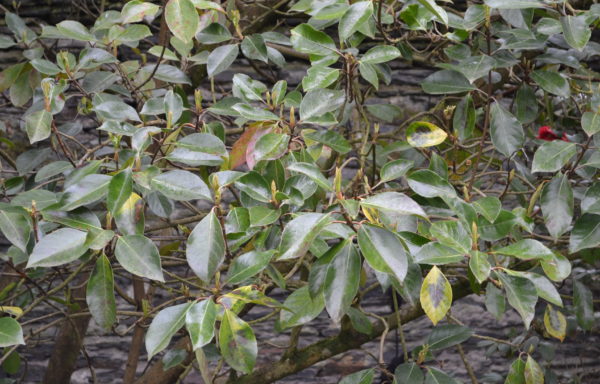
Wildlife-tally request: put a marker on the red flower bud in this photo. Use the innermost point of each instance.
(546, 133)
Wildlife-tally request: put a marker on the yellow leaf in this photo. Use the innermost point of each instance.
(15, 311)
(533, 372)
(422, 134)
(555, 323)
(436, 295)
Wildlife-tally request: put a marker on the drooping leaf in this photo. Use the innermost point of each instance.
(300, 308)
(448, 335)
(119, 190)
(585, 233)
(341, 281)
(200, 322)
(353, 18)
(206, 247)
(584, 305)
(100, 296)
(221, 58)
(521, 294)
(11, 332)
(164, 326)
(557, 205)
(237, 343)
(383, 250)
(555, 323)
(299, 233)
(506, 131)
(37, 126)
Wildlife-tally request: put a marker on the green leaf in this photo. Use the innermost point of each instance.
(138, 255)
(506, 131)
(182, 19)
(394, 202)
(480, 266)
(74, 30)
(319, 77)
(10, 332)
(248, 265)
(200, 322)
(408, 373)
(116, 110)
(181, 186)
(89, 189)
(553, 155)
(341, 281)
(584, 305)
(59, 247)
(495, 302)
(527, 249)
(16, 227)
(436, 295)
(320, 101)
(380, 54)
(514, 4)
(591, 200)
(46, 67)
(448, 335)
(135, 11)
(252, 113)
(332, 139)
(552, 82)
(516, 374)
(395, 169)
(300, 308)
(557, 205)
(576, 31)
(254, 47)
(446, 82)
(585, 233)
(313, 172)
(299, 233)
(435, 253)
(52, 169)
(435, 376)
(464, 119)
(489, 207)
(237, 343)
(533, 372)
(37, 125)
(452, 234)
(360, 321)
(271, 146)
(206, 247)
(221, 58)
(164, 326)
(119, 190)
(215, 33)
(422, 134)
(590, 122)
(353, 18)
(557, 269)
(255, 186)
(473, 68)
(522, 295)
(261, 216)
(438, 11)
(429, 184)
(525, 110)
(383, 250)
(100, 296)
(361, 377)
(306, 39)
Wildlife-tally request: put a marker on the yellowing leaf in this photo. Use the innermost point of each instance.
(555, 323)
(15, 311)
(533, 372)
(422, 134)
(436, 295)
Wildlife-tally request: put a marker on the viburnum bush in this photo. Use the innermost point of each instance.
(208, 202)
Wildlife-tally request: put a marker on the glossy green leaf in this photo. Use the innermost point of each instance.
(435, 376)
(448, 335)
(361, 377)
(37, 126)
(438, 11)
(446, 82)
(74, 30)
(557, 205)
(90, 189)
(590, 122)
(553, 155)
(299, 233)
(200, 322)
(11, 332)
(452, 234)
(319, 77)
(332, 139)
(434, 253)
(313, 172)
(16, 227)
(527, 249)
(57, 248)
(489, 207)
(408, 373)
(320, 101)
(221, 58)
(237, 343)
(135, 11)
(576, 31)
(584, 305)
(514, 4)
(253, 47)
(181, 185)
(138, 255)
(100, 295)
(394, 202)
(306, 39)
(248, 265)
(429, 184)
(271, 146)
(480, 266)
(300, 308)
(521, 294)
(341, 281)
(506, 131)
(119, 190)
(585, 233)
(464, 118)
(353, 18)
(164, 326)
(552, 82)
(205, 249)
(383, 250)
